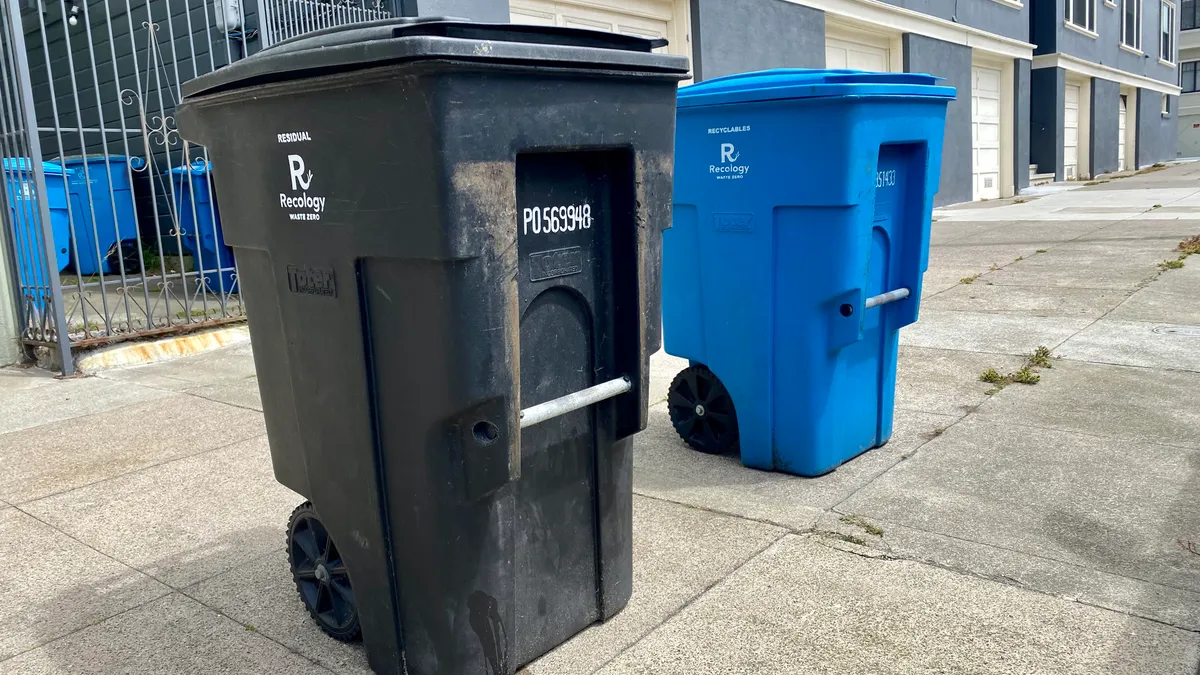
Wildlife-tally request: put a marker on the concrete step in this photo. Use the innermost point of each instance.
(1041, 178)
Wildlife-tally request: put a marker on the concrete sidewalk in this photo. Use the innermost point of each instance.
(1020, 529)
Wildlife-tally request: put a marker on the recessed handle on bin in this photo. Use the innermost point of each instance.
(885, 298)
(572, 402)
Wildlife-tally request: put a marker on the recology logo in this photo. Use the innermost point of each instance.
(301, 206)
(729, 168)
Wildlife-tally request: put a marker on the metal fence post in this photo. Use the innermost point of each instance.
(25, 86)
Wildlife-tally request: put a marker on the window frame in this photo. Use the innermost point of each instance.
(1089, 20)
(1166, 47)
(1184, 7)
(1166, 105)
(1183, 74)
(1138, 12)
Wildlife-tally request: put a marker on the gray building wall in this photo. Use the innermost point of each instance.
(953, 62)
(1051, 35)
(987, 15)
(1156, 133)
(490, 11)
(1047, 110)
(1105, 126)
(737, 36)
(1021, 82)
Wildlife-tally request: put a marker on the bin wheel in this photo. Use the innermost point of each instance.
(702, 411)
(320, 575)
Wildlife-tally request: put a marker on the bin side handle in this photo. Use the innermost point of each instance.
(574, 401)
(885, 298)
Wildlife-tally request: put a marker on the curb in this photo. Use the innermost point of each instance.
(166, 349)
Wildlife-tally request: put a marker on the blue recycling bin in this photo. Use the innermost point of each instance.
(102, 210)
(802, 197)
(25, 219)
(197, 206)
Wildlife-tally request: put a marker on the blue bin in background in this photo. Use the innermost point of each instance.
(193, 188)
(25, 219)
(799, 195)
(103, 215)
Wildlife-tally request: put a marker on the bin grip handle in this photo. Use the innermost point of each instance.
(885, 298)
(574, 401)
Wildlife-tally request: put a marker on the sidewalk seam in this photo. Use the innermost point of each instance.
(691, 601)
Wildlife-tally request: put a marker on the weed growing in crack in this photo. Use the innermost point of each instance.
(991, 376)
(1041, 357)
(849, 538)
(971, 279)
(1019, 258)
(1042, 250)
(1171, 264)
(1190, 246)
(864, 524)
(1026, 376)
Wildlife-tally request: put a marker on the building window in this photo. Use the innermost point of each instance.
(1187, 76)
(1082, 13)
(1190, 17)
(1166, 105)
(1131, 23)
(1166, 17)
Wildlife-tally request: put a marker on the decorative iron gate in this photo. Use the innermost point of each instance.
(110, 218)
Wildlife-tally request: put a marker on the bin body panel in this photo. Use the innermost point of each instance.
(200, 227)
(414, 322)
(24, 212)
(106, 214)
(778, 226)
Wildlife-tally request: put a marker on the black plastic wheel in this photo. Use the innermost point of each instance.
(702, 411)
(321, 576)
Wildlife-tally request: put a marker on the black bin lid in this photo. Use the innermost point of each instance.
(390, 41)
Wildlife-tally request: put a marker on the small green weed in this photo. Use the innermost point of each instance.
(1026, 376)
(1042, 250)
(991, 376)
(1019, 258)
(1041, 358)
(1156, 206)
(971, 279)
(866, 525)
(1190, 246)
(1171, 264)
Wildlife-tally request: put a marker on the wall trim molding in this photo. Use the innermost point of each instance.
(1072, 64)
(895, 19)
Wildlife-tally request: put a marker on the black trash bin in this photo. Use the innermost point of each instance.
(439, 224)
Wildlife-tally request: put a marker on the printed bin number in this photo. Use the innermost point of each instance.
(553, 219)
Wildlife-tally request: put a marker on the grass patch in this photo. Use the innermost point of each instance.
(1042, 250)
(864, 524)
(250, 628)
(971, 279)
(1094, 182)
(1156, 206)
(1019, 258)
(1171, 264)
(1151, 169)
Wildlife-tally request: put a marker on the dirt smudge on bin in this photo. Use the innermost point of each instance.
(489, 628)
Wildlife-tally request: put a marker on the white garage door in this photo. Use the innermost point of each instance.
(855, 55)
(1121, 114)
(644, 18)
(985, 131)
(1071, 133)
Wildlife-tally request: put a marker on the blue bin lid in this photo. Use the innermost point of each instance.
(198, 167)
(23, 164)
(789, 83)
(78, 160)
